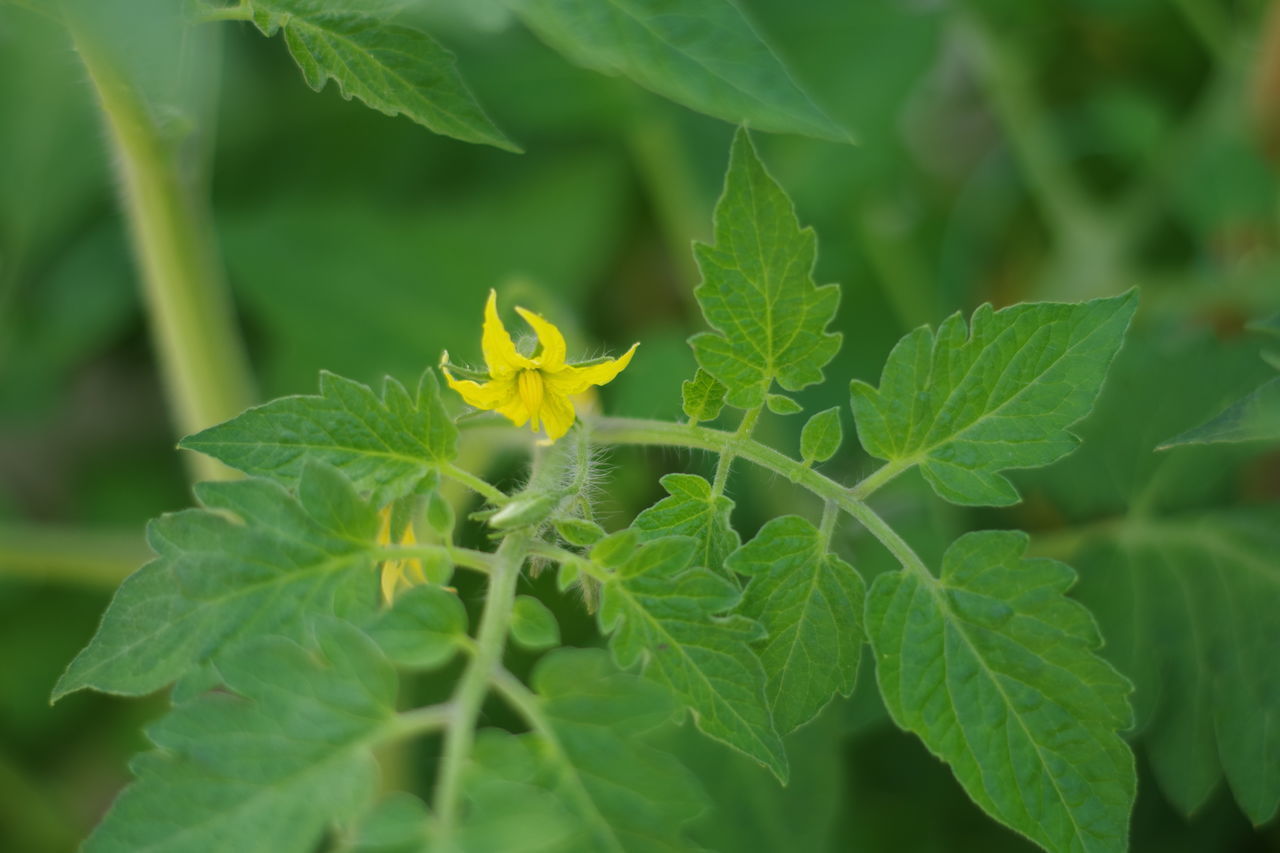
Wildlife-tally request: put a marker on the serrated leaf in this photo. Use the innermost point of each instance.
(1190, 606)
(269, 767)
(702, 396)
(533, 625)
(703, 53)
(810, 604)
(995, 669)
(423, 628)
(218, 582)
(691, 510)
(965, 405)
(668, 618)
(757, 289)
(821, 436)
(1256, 417)
(624, 794)
(394, 69)
(385, 446)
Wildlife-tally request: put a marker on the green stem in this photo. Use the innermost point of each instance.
(467, 698)
(665, 434)
(870, 484)
(70, 555)
(482, 487)
(480, 561)
(732, 442)
(418, 721)
(830, 514)
(205, 370)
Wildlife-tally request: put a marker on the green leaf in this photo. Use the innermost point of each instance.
(1254, 418)
(667, 617)
(995, 670)
(594, 754)
(218, 582)
(780, 404)
(1189, 606)
(702, 396)
(385, 446)
(703, 54)
(965, 405)
(392, 68)
(810, 604)
(691, 510)
(821, 436)
(271, 766)
(579, 531)
(757, 289)
(423, 628)
(533, 625)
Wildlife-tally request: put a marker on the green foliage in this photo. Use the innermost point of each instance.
(533, 625)
(384, 446)
(595, 754)
(667, 616)
(757, 289)
(810, 604)
(996, 671)
(966, 404)
(270, 568)
(691, 510)
(272, 765)
(702, 396)
(821, 436)
(424, 629)
(392, 68)
(701, 53)
(1253, 418)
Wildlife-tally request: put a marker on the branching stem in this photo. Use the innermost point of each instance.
(489, 492)
(467, 698)
(732, 441)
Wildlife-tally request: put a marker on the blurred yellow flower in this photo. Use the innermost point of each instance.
(531, 389)
(398, 573)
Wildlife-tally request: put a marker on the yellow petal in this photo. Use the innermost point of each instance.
(499, 350)
(557, 415)
(392, 571)
(529, 387)
(574, 380)
(489, 395)
(553, 349)
(515, 411)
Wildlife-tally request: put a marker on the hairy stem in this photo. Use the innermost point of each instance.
(467, 698)
(205, 370)
(480, 561)
(727, 455)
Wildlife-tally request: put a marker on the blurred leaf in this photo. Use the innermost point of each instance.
(810, 604)
(270, 767)
(995, 670)
(218, 583)
(666, 617)
(385, 446)
(392, 68)
(1191, 607)
(701, 53)
(702, 396)
(1255, 418)
(965, 404)
(691, 510)
(425, 627)
(757, 290)
(595, 755)
(821, 436)
(533, 625)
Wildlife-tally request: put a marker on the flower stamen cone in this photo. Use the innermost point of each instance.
(533, 390)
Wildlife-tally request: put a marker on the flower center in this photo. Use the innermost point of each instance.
(529, 386)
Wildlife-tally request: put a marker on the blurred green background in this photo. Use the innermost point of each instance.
(1008, 151)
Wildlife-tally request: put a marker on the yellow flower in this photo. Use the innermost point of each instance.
(397, 573)
(531, 389)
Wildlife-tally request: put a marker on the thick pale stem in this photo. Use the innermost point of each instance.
(201, 358)
(470, 692)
